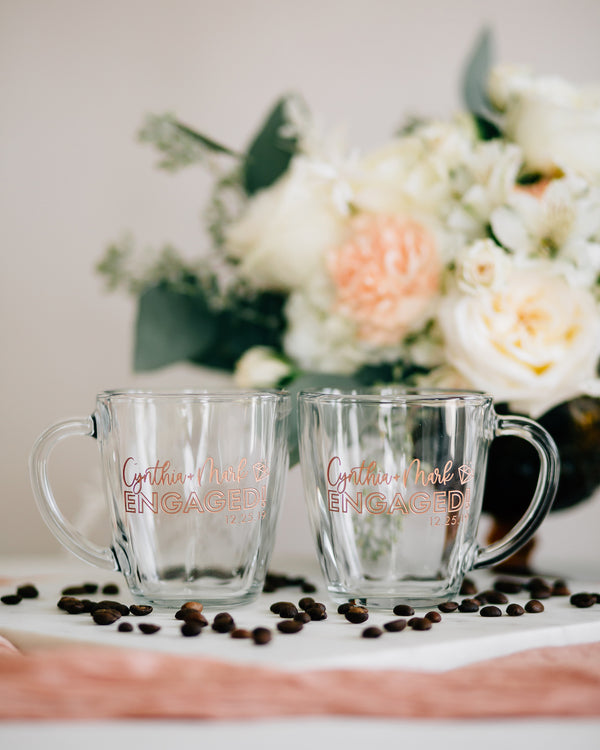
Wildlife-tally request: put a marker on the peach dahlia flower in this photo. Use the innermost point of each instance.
(385, 276)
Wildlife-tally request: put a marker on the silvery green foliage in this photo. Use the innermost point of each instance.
(179, 147)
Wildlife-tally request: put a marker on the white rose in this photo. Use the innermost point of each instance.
(482, 265)
(556, 125)
(282, 237)
(534, 343)
(260, 367)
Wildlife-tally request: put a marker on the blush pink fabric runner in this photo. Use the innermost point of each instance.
(98, 683)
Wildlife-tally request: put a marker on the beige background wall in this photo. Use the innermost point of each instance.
(76, 78)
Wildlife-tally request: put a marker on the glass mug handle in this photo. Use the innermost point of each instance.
(543, 496)
(62, 529)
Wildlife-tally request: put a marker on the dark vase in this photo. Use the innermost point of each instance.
(513, 469)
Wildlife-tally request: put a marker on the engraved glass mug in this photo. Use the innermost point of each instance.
(194, 482)
(394, 482)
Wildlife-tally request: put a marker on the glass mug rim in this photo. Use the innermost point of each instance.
(395, 395)
(200, 394)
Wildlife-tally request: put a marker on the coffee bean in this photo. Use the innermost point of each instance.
(261, 636)
(508, 586)
(191, 629)
(65, 601)
(28, 591)
(223, 623)
(125, 627)
(448, 607)
(110, 589)
(490, 611)
(395, 626)
(289, 626)
(541, 592)
(192, 615)
(317, 612)
(490, 596)
(420, 623)
(403, 610)
(108, 604)
(198, 606)
(275, 607)
(468, 605)
(343, 608)
(140, 610)
(582, 600)
(302, 617)
(534, 606)
(10, 599)
(434, 617)
(308, 588)
(356, 614)
(239, 633)
(90, 588)
(515, 610)
(560, 588)
(372, 632)
(468, 587)
(148, 628)
(89, 605)
(537, 583)
(74, 591)
(105, 616)
(77, 608)
(287, 610)
(306, 602)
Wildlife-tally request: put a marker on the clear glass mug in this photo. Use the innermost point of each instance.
(394, 484)
(194, 482)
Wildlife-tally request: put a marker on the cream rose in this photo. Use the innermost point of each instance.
(556, 125)
(534, 343)
(282, 237)
(260, 367)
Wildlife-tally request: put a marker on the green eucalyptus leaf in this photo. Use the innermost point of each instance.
(270, 152)
(474, 85)
(171, 326)
(209, 143)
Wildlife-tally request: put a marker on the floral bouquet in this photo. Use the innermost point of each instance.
(461, 253)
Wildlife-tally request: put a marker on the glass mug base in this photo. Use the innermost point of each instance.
(417, 593)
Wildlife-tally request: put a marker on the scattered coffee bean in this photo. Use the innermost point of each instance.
(434, 617)
(192, 615)
(191, 629)
(90, 588)
(372, 632)
(239, 633)
(140, 610)
(515, 610)
(10, 599)
(28, 591)
(343, 608)
(148, 628)
(111, 589)
(357, 614)
(448, 607)
(74, 591)
(508, 586)
(468, 587)
(302, 617)
(395, 626)
(534, 606)
(287, 610)
(274, 581)
(490, 596)
(198, 606)
(541, 592)
(289, 626)
(308, 588)
(108, 604)
(403, 610)
(537, 583)
(125, 627)
(317, 612)
(261, 636)
(223, 623)
(560, 588)
(490, 611)
(420, 623)
(77, 608)
(274, 608)
(469, 605)
(105, 616)
(582, 600)
(65, 601)
(306, 602)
